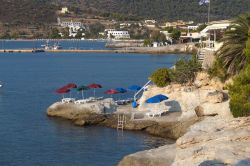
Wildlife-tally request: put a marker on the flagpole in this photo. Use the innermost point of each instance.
(208, 15)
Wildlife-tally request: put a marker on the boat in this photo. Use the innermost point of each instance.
(1, 85)
(55, 46)
(46, 46)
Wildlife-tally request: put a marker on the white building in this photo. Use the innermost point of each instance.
(74, 27)
(64, 10)
(124, 25)
(192, 27)
(211, 31)
(150, 21)
(71, 23)
(118, 34)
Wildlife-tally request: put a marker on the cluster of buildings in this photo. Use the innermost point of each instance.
(188, 29)
(74, 27)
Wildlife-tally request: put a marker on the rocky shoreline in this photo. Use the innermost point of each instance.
(166, 127)
(199, 119)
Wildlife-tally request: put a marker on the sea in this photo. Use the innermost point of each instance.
(28, 137)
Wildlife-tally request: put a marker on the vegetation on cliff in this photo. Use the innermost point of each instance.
(184, 72)
(239, 91)
(161, 77)
(233, 59)
(234, 42)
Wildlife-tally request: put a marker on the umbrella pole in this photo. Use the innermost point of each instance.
(82, 94)
(94, 92)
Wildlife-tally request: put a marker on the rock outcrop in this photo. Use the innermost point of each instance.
(162, 156)
(83, 114)
(206, 97)
(215, 140)
(212, 141)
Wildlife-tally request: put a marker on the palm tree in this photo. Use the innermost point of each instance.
(234, 42)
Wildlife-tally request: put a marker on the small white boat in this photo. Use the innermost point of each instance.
(56, 46)
(1, 85)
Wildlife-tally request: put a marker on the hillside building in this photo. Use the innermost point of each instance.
(64, 10)
(118, 34)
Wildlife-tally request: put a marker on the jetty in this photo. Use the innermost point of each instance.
(179, 48)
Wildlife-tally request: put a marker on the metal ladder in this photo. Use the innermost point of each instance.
(121, 121)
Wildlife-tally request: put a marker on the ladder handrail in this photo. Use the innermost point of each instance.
(143, 88)
(121, 121)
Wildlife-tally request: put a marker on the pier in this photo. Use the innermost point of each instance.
(140, 50)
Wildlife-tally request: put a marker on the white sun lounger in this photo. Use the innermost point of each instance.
(82, 101)
(68, 100)
(152, 114)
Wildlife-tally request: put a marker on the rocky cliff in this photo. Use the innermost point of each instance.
(213, 141)
(216, 139)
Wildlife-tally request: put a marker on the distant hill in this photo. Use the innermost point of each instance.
(44, 11)
(27, 11)
(172, 9)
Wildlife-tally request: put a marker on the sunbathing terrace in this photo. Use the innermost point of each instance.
(124, 106)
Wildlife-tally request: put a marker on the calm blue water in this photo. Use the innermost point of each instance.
(66, 44)
(28, 137)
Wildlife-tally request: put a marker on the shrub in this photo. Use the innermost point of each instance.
(161, 77)
(185, 71)
(217, 70)
(239, 93)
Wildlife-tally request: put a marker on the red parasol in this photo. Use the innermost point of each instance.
(111, 92)
(94, 86)
(70, 86)
(62, 90)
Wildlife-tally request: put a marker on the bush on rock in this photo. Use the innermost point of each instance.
(239, 93)
(161, 77)
(185, 71)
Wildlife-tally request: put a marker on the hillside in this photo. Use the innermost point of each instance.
(44, 11)
(27, 11)
(166, 9)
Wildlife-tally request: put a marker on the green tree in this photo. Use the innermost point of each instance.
(176, 34)
(218, 70)
(55, 34)
(161, 77)
(95, 29)
(157, 36)
(65, 32)
(79, 34)
(185, 71)
(239, 91)
(234, 42)
(201, 27)
(147, 42)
